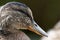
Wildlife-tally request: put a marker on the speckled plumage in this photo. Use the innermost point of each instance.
(15, 16)
(11, 20)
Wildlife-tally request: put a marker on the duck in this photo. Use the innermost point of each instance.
(15, 16)
(53, 33)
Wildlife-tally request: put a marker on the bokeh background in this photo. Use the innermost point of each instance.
(46, 13)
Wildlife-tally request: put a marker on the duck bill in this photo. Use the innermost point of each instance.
(37, 29)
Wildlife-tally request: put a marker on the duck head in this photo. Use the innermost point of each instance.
(21, 17)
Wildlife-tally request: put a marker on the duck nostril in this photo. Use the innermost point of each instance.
(36, 25)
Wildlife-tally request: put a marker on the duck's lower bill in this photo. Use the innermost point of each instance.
(38, 30)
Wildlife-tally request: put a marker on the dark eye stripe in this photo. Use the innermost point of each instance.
(24, 13)
(20, 4)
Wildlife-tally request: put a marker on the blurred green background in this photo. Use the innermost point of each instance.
(46, 13)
